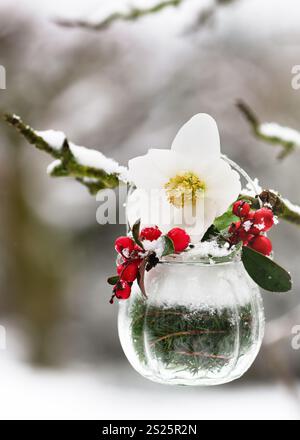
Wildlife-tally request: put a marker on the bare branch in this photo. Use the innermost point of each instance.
(132, 15)
(68, 159)
(273, 133)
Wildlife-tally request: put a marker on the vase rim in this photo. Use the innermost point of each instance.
(201, 261)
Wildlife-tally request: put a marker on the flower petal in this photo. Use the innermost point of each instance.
(223, 185)
(199, 138)
(155, 168)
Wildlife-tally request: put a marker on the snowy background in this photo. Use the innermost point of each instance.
(121, 91)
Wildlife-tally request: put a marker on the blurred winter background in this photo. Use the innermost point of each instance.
(122, 90)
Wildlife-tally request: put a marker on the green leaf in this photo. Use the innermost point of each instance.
(169, 246)
(211, 232)
(225, 220)
(113, 280)
(136, 233)
(267, 274)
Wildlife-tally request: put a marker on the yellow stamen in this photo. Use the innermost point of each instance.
(184, 188)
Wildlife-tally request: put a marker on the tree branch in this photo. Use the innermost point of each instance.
(132, 15)
(273, 133)
(282, 207)
(72, 160)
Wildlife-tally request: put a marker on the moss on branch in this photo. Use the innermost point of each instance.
(288, 146)
(132, 15)
(66, 164)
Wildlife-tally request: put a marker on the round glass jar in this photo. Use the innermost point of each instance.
(201, 324)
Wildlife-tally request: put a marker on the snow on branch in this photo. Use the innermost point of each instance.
(271, 132)
(282, 207)
(89, 167)
(132, 15)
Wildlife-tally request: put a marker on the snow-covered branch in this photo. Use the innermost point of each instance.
(282, 207)
(133, 14)
(89, 167)
(96, 171)
(271, 132)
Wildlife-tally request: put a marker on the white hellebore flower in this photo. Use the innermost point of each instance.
(187, 186)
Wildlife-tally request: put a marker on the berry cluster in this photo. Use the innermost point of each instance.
(132, 255)
(251, 226)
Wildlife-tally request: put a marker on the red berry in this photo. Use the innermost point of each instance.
(234, 227)
(151, 234)
(239, 233)
(128, 271)
(249, 224)
(124, 244)
(263, 219)
(122, 290)
(261, 244)
(244, 236)
(241, 208)
(180, 239)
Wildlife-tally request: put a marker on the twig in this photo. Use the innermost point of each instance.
(66, 163)
(187, 333)
(288, 146)
(282, 207)
(132, 15)
(202, 354)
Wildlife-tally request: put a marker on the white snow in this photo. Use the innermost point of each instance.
(287, 134)
(54, 138)
(51, 167)
(100, 394)
(291, 206)
(249, 190)
(196, 285)
(260, 226)
(207, 249)
(247, 225)
(156, 245)
(95, 159)
(84, 156)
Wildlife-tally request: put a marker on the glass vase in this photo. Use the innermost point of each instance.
(202, 323)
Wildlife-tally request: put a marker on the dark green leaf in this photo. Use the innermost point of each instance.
(225, 220)
(169, 246)
(136, 233)
(113, 280)
(211, 232)
(267, 274)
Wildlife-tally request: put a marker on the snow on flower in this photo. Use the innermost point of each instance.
(191, 183)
